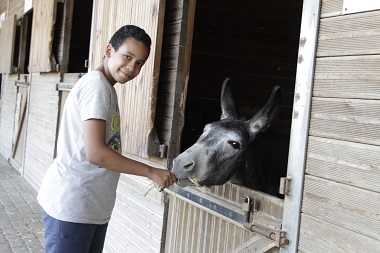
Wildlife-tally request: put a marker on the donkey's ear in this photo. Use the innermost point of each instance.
(264, 117)
(227, 101)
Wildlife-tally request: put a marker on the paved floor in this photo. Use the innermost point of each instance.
(21, 228)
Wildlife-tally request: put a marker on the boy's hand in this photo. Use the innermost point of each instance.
(164, 178)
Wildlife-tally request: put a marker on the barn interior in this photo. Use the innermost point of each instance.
(255, 43)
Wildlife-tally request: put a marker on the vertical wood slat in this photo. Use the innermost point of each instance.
(192, 229)
(7, 44)
(41, 54)
(137, 98)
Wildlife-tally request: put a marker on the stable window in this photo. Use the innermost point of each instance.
(70, 22)
(23, 38)
(15, 40)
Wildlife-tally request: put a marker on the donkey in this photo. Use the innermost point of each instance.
(230, 149)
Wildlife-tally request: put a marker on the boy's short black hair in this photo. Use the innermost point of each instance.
(129, 31)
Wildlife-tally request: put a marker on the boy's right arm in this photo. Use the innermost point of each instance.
(97, 152)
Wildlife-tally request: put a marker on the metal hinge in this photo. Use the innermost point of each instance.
(284, 186)
(276, 235)
(163, 150)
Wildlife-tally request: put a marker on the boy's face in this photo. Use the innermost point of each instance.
(126, 63)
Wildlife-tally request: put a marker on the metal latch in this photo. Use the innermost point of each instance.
(276, 235)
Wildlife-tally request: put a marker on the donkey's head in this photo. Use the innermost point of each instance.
(221, 149)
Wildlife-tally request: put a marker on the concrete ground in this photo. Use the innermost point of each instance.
(21, 228)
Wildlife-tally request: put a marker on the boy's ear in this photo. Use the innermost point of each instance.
(108, 51)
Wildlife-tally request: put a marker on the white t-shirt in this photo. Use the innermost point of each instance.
(73, 189)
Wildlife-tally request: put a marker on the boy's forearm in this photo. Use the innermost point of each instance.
(109, 159)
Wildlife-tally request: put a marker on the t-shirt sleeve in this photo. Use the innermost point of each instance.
(94, 100)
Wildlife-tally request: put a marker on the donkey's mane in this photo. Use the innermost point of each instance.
(246, 112)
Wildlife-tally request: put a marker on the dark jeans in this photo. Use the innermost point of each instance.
(69, 237)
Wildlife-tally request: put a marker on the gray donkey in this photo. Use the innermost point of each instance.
(231, 150)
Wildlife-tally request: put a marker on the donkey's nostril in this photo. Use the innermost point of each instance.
(189, 165)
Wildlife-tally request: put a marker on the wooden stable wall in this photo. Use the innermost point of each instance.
(341, 199)
(137, 224)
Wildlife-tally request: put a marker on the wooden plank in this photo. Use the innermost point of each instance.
(360, 38)
(319, 236)
(68, 11)
(345, 162)
(347, 87)
(348, 131)
(346, 119)
(7, 42)
(349, 110)
(41, 54)
(119, 244)
(331, 8)
(349, 207)
(348, 67)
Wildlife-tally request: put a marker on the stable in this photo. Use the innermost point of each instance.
(324, 54)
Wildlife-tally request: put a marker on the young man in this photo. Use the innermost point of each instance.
(79, 189)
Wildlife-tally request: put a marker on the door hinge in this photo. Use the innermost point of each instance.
(285, 185)
(163, 150)
(274, 234)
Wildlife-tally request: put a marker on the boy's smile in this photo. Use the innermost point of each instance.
(125, 64)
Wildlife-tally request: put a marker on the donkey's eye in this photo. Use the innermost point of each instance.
(234, 144)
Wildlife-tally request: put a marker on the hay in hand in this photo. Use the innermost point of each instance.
(152, 186)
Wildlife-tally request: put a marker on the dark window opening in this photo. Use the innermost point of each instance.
(80, 36)
(255, 43)
(59, 33)
(17, 45)
(22, 43)
(71, 50)
(27, 18)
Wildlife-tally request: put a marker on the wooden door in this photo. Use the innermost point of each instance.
(19, 131)
(211, 220)
(137, 98)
